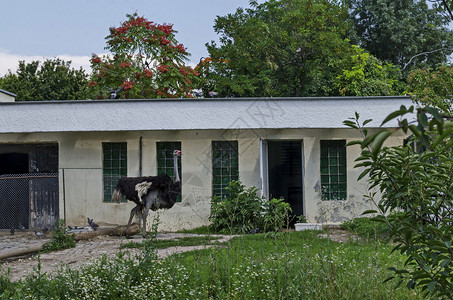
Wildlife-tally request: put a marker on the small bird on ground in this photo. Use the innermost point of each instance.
(45, 229)
(39, 234)
(92, 224)
(12, 231)
(256, 230)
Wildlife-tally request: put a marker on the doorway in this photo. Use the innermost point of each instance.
(285, 174)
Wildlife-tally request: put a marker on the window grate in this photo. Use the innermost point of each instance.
(165, 160)
(114, 167)
(225, 166)
(333, 170)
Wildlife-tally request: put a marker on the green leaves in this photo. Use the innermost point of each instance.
(53, 79)
(416, 181)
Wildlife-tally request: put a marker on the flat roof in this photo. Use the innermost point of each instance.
(8, 93)
(198, 113)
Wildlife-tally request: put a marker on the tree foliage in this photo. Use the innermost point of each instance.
(406, 33)
(287, 48)
(362, 74)
(277, 48)
(433, 87)
(416, 180)
(147, 62)
(54, 79)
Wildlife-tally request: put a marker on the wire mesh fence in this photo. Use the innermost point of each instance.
(29, 201)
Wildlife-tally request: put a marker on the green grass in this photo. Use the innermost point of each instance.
(199, 230)
(184, 241)
(294, 265)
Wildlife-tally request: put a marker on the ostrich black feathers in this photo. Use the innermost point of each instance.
(126, 187)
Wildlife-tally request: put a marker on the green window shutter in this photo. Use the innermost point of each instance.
(165, 160)
(333, 170)
(225, 166)
(114, 167)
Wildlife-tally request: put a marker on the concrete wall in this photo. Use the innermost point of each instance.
(6, 97)
(81, 179)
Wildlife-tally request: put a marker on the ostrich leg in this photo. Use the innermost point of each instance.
(151, 198)
(133, 213)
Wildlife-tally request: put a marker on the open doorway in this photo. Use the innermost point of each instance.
(285, 176)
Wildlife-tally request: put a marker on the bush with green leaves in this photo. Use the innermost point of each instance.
(60, 239)
(365, 227)
(415, 180)
(244, 210)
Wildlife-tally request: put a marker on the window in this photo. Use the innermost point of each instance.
(114, 167)
(225, 166)
(333, 170)
(165, 160)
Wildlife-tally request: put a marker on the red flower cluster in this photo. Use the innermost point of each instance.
(95, 59)
(162, 68)
(124, 65)
(183, 71)
(92, 83)
(128, 84)
(165, 28)
(180, 48)
(164, 41)
(148, 73)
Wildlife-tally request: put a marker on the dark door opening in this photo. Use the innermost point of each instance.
(285, 174)
(13, 163)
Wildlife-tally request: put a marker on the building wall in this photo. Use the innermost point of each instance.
(81, 177)
(5, 97)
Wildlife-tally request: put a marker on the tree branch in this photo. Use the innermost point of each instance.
(423, 53)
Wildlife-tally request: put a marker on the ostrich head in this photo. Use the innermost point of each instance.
(177, 153)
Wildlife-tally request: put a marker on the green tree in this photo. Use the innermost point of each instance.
(277, 48)
(54, 79)
(362, 74)
(147, 62)
(406, 33)
(432, 87)
(415, 180)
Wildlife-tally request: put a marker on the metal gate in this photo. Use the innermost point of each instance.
(29, 200)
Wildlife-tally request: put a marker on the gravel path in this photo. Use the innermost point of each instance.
(84, 251)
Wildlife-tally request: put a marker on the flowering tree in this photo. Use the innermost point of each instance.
(146, 62)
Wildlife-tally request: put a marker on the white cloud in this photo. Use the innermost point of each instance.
(10, 61)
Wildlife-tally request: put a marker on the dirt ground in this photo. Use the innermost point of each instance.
(84, 251)
(87, 250)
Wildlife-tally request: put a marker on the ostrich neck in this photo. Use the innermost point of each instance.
(175, 164)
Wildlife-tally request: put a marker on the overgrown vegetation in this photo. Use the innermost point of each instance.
(244, 210)
(366, 227)
(416, 180)
(60, 239)
(295, 265)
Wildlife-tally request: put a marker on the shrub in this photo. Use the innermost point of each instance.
(244, 210)
(60, 239)
(416, 180)
(365, 227)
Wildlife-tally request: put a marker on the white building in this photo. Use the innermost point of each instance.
(287, 147)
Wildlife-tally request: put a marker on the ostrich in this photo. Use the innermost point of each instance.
(149, 192)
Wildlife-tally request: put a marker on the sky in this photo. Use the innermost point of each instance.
(74, 29)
